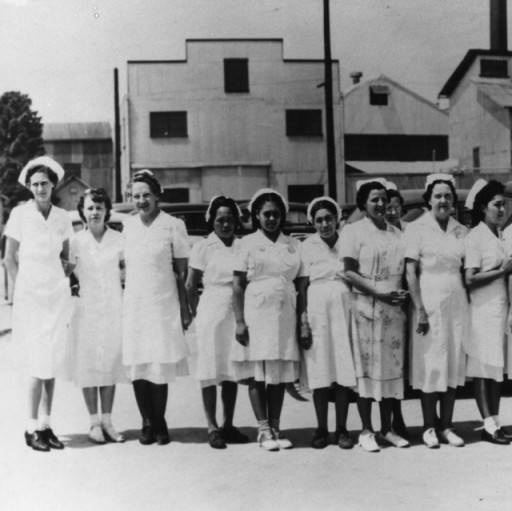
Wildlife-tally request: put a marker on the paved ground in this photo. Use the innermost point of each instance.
(189, 475)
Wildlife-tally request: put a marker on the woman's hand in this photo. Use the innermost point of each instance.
(423, 326)
(305, 336)
(506, 267)
(242, 333)
(394, 297)
(186, 318)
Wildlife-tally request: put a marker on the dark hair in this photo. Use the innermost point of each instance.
(223, 202)
(260, 201)
(98, 195)
(146, 176)
(364, 192)
(396, 194)
(482, 199)
(52, 176)
(428, 192)
(324, 204)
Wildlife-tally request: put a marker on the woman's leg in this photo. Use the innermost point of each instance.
(107, 394)
(46, 402)
(258, 399)
(159, 394)
(398, 422)
(275, 398)
(342, 402)
(321, 402)
(142, 391)
(228, 393)
(209, 395)
(428, 408)
(494, 396)
(91, 400)
(447, 405)
(386, 407)
(35, 390)
(481, 390)
(364, 406)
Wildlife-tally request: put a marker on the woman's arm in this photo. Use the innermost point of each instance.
(475, 278)
(11, 258)
(64, 259)
(305, 338)
(411, 274)
(239, 285)
(191, 286)
(180, 269)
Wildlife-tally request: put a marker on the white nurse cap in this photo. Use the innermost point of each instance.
(208, 213)
(40, 161)
(319, 199)
(362, 182)
(263, 191)
(473, 192)
(391, 186)
(440, 176)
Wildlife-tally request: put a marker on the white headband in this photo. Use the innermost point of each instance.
(319, 199)
(263, 191)
(208, 213)
(362, 182)
(439, 177)
(473, 192)
(44, 161)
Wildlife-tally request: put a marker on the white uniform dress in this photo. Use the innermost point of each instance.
(378, 329)
(272, 354)
(437, 358)
(485, 345)
(96, 325)
(42, 296)
(215, 319)
(154, 346)
(330, 359)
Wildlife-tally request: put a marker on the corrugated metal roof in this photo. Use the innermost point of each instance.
(500, 93)
(76, 131)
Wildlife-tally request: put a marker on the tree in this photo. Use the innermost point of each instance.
(20, 140)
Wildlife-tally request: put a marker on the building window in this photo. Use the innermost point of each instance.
(176, 195)
(379, 95)
(476, 157)
(491, 68)
(304, 193)
(236, 75)
(168, 124)
(304, 123)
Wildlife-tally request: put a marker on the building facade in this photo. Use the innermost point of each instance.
(232, 117)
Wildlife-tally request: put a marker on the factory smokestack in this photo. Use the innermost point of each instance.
(498, 25)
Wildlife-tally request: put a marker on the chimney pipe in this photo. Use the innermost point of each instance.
(356, 76)
(498, 24)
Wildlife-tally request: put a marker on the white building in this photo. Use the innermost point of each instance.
(231, 117)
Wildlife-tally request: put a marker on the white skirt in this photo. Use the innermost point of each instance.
(271, 372)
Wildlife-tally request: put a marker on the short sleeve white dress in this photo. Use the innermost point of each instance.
(42, 296)
(437, 358)
(330, 359)
(154, 346)
(272, 354)
(96, 325)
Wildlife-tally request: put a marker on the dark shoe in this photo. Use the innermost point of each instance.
(147, 436)
(233, 435)
(506, 433)
(215, 439)
(162, 433)
(50, 438)
(320, 439)
(36, 441)
(343, 439)
(496, 438)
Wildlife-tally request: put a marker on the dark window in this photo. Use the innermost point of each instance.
(476, 157)
(491, 68)
(168, 124)
(175, 195)
(396, 147)
(379, 95)
(304, 123)
(304, 193)
(73, 169)
(236, 75)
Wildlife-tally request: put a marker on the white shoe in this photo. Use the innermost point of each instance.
(430, 438)
(282, 441)
(267, 441)
(368, 442)
(111, 435)
(450, 437)
(96, 435)
(396, 440)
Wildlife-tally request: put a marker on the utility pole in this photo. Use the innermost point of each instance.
(329, 121)
(117, 140)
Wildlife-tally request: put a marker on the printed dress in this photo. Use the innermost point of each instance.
(378, 329)
(272, 354)
(215, 319)
(437, 358)
(96, 325)
(42, 297)
(330, 359)
(154, 346)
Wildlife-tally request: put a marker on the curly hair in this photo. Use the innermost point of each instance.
(97, 195)
(482, 199)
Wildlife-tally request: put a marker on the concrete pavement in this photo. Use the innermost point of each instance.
(189, 475)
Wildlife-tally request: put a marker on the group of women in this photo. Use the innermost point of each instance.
(332, 312)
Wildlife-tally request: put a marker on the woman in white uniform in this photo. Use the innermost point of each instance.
(97, 261)
(373, 253)
(434, 258)
(212, 261)
(486, 271)
(265, 312)
(37, 250)
(325, 302)
(155, 308)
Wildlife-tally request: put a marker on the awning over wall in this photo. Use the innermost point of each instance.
(400, 167)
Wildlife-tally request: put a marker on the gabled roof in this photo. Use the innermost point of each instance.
(54, 131)
(384, 78)
(69, 179)
(464, 65)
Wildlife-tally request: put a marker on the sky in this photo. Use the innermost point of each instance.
(62, 52)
